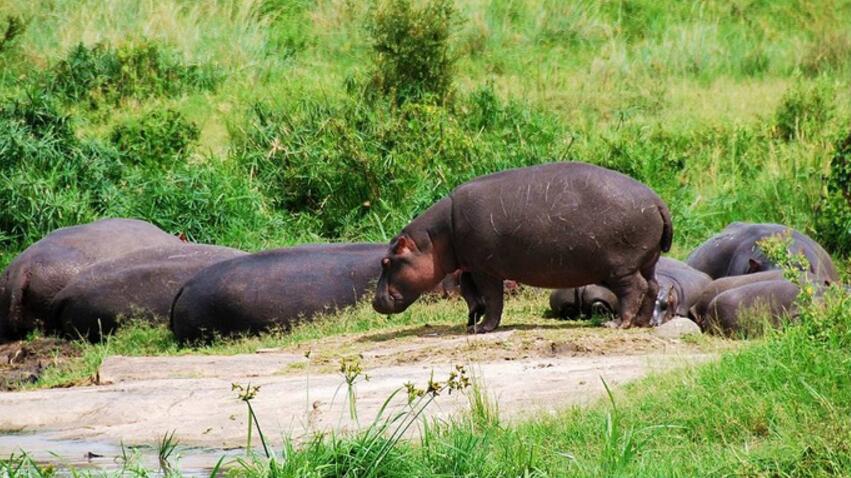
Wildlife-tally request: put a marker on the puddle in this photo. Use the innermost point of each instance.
(107, 457)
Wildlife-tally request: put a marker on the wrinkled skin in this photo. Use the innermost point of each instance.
(274, 288)
(554, 226)
(697, 312)
(726, 309)
(680, 286)
(578, 302)
(141, 284)
(31, 281)
(734, 251)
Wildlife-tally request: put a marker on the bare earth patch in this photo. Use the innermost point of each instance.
(22, 362)
(526, 369)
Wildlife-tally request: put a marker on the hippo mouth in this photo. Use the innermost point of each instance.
(390, 303)
(660, 309)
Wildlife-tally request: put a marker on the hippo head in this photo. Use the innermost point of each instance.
(407, 271)
(666, 305)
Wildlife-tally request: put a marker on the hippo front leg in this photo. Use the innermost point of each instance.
(475, 302)
(491, 290)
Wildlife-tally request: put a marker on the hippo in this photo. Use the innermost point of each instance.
(29, 284)
(585, 301)
(680, 286)
(734, 251)
(777, 297)
(141, 284)
(274, 288)
(698, 309)
(553, 225)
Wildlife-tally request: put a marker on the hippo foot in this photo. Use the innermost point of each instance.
(612, 324)
(480, 329)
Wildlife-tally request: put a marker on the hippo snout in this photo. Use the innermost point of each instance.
(383, 304)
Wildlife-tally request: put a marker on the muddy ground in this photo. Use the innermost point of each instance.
(525, 368)
(22, 362)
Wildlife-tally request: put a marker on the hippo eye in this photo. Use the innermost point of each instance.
(385, 262)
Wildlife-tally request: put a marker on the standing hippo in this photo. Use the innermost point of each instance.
(734, 251)
(29, 284)
(554, 225)
(680, 286)
(724, 313)
(142, 284)
(273, 289)
(697, 311)
(585, 301)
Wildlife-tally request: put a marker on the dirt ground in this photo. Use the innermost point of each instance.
(527, 370)
(22, 362)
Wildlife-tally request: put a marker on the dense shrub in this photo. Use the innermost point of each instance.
(159, 137)
(102, 73)
(803, 109)
(15, 26)
(411, 48)
(833, 220)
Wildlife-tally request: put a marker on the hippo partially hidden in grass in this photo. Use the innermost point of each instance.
(141, 284)
(554, 225)
(28, 285)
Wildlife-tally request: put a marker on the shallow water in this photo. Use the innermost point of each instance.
(98, 457)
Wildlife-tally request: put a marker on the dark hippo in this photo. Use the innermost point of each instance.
(142, 284)
(734, 251)
(697, 311)
(680, 286)
(273, 289)
(777, 297)
(29, 284)
(553, 226)
(585, 301)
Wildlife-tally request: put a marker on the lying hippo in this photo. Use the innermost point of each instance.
(141, 284)
(29, 284)
(585, 301)
(697, 311)
(777, 297)
(273, 289)
(554, 225)
(680, 286)
(734, 251)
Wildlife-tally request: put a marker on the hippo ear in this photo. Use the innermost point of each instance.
(753, 266)
(404, 245)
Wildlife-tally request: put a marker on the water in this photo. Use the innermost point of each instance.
(98, 457)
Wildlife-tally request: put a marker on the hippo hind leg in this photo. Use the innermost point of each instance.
(631, 291)
(491, 290)
(475, 301)
(645, 312)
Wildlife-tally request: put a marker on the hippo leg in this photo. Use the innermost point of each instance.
(491, 291)
(646, 311)
(631, 291)
(475, 302)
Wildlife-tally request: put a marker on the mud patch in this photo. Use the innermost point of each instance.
(22, 362)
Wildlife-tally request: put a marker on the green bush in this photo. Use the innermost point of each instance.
(833, 219)
(411, 49)
(803, 109)
(15, 26)
(102, 73)
(159, 137)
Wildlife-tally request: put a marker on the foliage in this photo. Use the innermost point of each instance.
(833, 220)
(159, 137)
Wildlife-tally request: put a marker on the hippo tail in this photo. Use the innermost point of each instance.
(667, 227)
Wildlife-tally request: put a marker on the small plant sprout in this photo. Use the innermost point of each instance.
(352, 369)
(246, 394)
(167, 446)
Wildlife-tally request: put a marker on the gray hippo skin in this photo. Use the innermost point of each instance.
(578, 302)
(777, 297)
(553, 226)
(697, 312)
(141, 284)
(273, 289)
(29, 284)
(680, 286)
(734, 251)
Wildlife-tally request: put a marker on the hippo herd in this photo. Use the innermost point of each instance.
(594, 235)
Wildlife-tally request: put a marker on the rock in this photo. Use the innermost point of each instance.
(676, 328)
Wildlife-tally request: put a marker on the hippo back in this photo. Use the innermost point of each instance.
(726, 311)
(141, 284)
(274, 289)
(40, 272)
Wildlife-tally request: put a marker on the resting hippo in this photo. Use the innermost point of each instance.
(273, 288)
(142, 283)
(697, 311)
(680, 286)
(734, 252)
(777, 297)
(29, 284)
(577, 302)
(554, 225)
